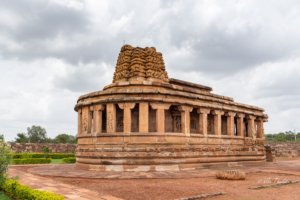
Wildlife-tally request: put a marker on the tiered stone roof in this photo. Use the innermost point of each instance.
(141, 63)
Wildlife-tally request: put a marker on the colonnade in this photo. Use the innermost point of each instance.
(97, 119)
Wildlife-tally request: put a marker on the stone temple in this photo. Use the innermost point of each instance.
(146, 121)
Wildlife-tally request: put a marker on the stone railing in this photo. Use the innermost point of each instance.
(285, 149)
(38, 147)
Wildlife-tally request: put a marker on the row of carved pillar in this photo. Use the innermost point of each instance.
(90, 120)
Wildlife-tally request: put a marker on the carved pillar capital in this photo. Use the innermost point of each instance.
(185, 108)
(217, 112)
(251, 117)
(259, 119)
(203, 110)
(126, 105)
(160, 106)
(230, 114)
(240, 115)
(98, 107)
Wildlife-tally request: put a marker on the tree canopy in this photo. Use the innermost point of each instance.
(65, 138)
(288, 136)
(38, 134)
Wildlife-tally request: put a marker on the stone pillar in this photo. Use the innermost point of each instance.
(240, 124)
(185, 119)
(251, 126)
(160, 115)
(230, 123)
(143, 117)
(217, 121)
(110, 118)
(203, 112)
(79, 121)
(97, 126)
(90, 118)
(126, 107)
(85, 119)
(260, 128)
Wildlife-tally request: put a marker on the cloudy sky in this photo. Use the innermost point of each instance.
(53, 51)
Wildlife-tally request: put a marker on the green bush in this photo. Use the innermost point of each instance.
(5, 157)
(46, 150)
(31, 161)
(69, 160)
(42, 155)
(60, 155)
(17, 191)
(3, 196)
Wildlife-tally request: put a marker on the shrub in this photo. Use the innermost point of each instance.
(31, 161)
(69, 160)
(39, 155)
(42, 155)
(5, 157)
(46, 150)
(61, 155)
(3, 196)
(17, 191)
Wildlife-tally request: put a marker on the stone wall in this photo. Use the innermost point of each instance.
(34, 147)
(286, 149)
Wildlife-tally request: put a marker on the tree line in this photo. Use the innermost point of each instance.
(38, 134)
(288, 136)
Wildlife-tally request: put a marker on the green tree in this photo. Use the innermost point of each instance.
(290, 136)
(65, 138)
(21, 138)
(4, 160)
(280, 137)
(37, 134)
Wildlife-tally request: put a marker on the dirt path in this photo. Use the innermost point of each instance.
(173, 185)
(70, 190)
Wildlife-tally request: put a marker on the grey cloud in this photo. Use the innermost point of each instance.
(217, 52)
(78, 52)
(45, 19)
(279, 88)
(213, 47)
(42, 23)
(85, 78)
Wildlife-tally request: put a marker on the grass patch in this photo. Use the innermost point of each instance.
(3, 196)
(56, 161)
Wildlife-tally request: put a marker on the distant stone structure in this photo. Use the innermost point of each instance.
(38, 147)
(285, 149)
(146, 121)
